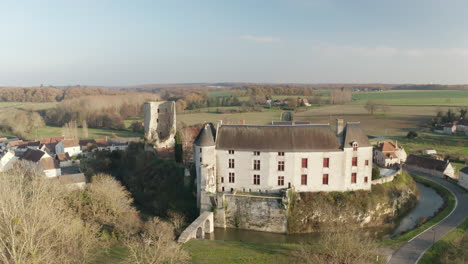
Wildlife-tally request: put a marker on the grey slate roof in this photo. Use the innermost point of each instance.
(464, 170)
(354, 133)
(427, 163)
(277, 138)
(206, 137)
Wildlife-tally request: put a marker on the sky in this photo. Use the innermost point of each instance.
(117, 42)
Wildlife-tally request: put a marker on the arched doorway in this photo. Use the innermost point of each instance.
(207, 226)
(200, 233)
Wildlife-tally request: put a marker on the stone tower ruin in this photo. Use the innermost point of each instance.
(160, 123)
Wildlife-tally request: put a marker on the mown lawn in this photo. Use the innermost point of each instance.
(233, 252)
(448, 97)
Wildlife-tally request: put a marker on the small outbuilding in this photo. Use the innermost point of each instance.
(430, 166)
(463, 178)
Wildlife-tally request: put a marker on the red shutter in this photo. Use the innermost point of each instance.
(353, 177)
(325, 179)
(304, 163)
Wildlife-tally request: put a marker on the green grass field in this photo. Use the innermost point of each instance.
(442, 98)
(231, 252)
(50, 131)
(264, 117)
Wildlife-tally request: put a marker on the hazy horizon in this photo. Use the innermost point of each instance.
(121, 43)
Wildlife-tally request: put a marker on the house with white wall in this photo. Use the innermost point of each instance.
(463, 178)
(6, 160)
(49, 165)
(71, 146)
(272, 158)
(430, 166)
(388, 153)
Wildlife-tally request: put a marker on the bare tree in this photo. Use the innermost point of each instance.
(155, 245)
(84, 129)
(36, 224)
(339, 246)
(371, 106)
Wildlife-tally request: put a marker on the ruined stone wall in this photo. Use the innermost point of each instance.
(160, 123)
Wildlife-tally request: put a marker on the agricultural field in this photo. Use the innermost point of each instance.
(51, 131)
(420, 97)
(264, 117)
(27, 105)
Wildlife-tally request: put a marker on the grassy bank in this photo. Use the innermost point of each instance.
(452, 248)
(449, 204)
(374, 204)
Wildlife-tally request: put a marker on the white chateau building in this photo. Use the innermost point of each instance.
(272, 158)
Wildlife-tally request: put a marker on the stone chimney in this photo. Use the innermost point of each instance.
(339, 127)
(242, 122)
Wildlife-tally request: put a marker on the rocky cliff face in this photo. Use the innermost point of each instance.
(317, 212)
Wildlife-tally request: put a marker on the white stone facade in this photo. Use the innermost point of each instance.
(160, 123)
(339, 171)
(344, 166)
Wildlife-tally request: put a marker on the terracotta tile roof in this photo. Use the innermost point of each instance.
(427, 163)
(49, 163)
(63, 156)
(387, 146)
(68, 143)
(17, 143)
(51, 140)
(99, 142)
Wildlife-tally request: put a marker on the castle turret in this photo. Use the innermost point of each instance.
(204, 154)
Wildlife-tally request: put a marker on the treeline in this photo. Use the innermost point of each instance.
(98, 111)
(48, 94)
(430, 87)
(276, 89)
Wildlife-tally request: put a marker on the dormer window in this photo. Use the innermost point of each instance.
(355, 146)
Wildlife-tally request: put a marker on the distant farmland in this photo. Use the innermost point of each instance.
(442, 98)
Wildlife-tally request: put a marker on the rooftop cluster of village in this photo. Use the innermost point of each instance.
(57, 157)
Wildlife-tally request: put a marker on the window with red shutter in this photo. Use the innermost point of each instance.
(365, 179)
(304, 163)
(354, 161)
(353, 177)
(326, 162)
(304, 179)
(325, 179)
(367, 162)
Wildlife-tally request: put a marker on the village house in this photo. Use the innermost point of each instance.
(269, 159)
(430, 166)
(71, 146)
(463, 178)
(388, 153)
(6, 160)
(64, 159)
(49, 165)
(48, 144)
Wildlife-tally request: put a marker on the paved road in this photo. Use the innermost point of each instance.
(410, 252)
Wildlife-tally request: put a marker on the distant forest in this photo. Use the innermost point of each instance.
(48, 94)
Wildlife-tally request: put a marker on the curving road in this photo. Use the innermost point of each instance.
(412, 251)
